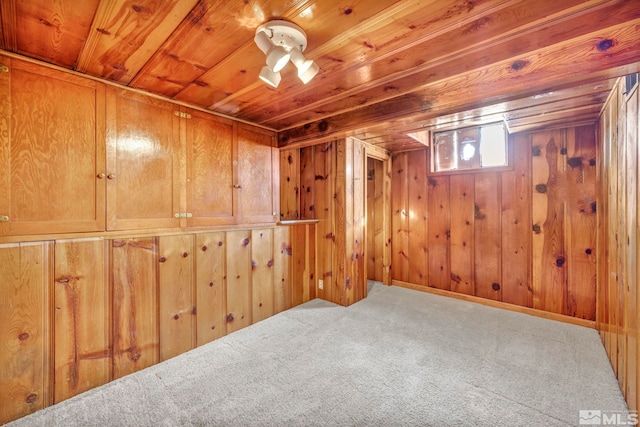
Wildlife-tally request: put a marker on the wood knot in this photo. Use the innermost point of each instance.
(23, 336)
(246, 242)
(495, 286)
(605, 44)
(541, 188)
(185, 254)
(323, 126)
(560, 261)
(519, 65)
(537, 229)
(176, 317)
(204, 248)
(230, 318)
(592, 162)
(432, 182)
(162, 259)
(31, 398)
(588, 251)
(574, 162)
(220, 243)
(211, 284)
(535, 150)
(270, 263)
(563, 151)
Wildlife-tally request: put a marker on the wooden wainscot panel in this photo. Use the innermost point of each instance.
(239, 302)
(211, 152)
(258, 185)
(399, 218)
(262, 273)
(581, 221)
(487, 236)
(439, 232)
(283, 288)
(462, 233)
(176, 295)
(516, 226)
(211, 287)
(24, 329)
(135, 304)
(549, 258)
(418, 252)
(143, 165)
(51, 152)
(81, 317)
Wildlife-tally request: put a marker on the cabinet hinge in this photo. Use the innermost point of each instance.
(183, 215)
(4, 218)
(183, 115)
(4, 68)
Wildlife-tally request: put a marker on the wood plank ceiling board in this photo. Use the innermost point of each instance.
(52, 31)
(125, 34)
(592, 57)
(234, 83)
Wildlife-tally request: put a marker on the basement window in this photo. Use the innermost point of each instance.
(472, 148)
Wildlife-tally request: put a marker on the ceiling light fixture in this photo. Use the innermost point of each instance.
(282, 41)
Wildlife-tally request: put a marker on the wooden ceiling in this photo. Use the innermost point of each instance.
(388, 68)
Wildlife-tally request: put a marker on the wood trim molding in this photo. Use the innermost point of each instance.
(498, 304)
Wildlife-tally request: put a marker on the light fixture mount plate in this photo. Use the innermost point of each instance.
(285, 33)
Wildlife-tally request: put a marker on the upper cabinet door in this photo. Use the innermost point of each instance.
(51, 151)
(143, 162)
(210, 170)
(258, 175)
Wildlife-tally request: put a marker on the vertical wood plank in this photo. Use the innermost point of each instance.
(487, 236)
(371, 219)
(24, 329)
(324, 176)
(439, 232)
(283, 252)
(262, 274)
(307, 183)
(135, 302)
(387, 215)
(211, 285)
(399, 219)
(418, 252)
(177, 306)
(298, 261)
(462, 235)
(549, 252)
(359, 276)
(516, 226)
(343, 213)
(621, 228)
(581, 221)
(238, 261)
(289, 183)
(81, 317)
(380, 215)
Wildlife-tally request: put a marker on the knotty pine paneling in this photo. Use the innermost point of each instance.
(289, 183)
(239, 301)
(211, 298)
(25, 329)
(524, 236)
(375, 219)
(135, 304)
(323, 189)
(262, 275)
(176, 295)
(618, 245)
(82, 358)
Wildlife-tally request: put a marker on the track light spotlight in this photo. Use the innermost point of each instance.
(282, 41)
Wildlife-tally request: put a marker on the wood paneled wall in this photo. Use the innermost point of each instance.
(75, 314)
(326, 182)
(375, 219)
(618, 230)
(524, 236)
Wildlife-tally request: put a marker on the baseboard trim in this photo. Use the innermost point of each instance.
(498, 304)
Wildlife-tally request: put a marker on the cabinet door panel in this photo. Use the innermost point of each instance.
(81, 320)
(52, 151)
(256, 169)
(210, 182)
(143, 162)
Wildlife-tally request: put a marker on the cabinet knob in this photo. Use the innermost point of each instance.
(4, 218)
(101, 175)
(111, 176)
(237, 186)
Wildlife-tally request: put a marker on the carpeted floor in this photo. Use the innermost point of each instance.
(398, 358)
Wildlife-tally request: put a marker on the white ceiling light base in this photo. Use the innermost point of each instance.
(285, 33)
(281, 42)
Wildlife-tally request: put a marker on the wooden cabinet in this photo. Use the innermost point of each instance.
(258, 175)
(52, 151)
(211, 159)
(143, 162)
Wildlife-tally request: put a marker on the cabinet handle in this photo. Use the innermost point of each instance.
(237, 186)
(101, 176)
(4, 218)
(4, 68)
(111, 176)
